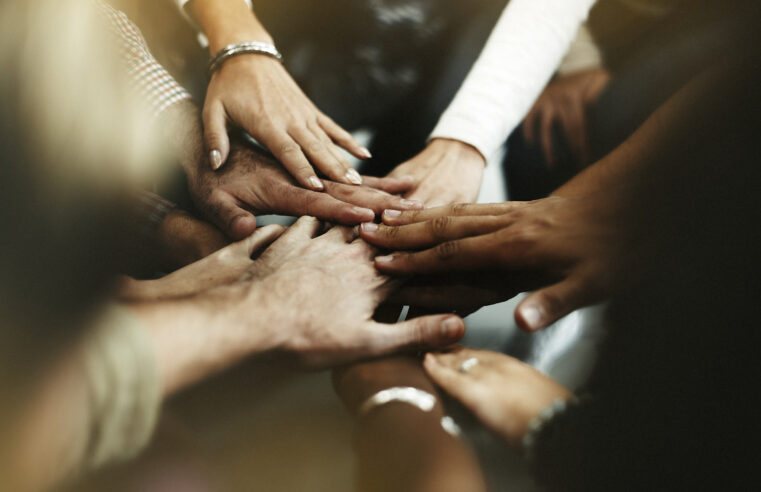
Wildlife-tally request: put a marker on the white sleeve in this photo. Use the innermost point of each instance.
(519, 58)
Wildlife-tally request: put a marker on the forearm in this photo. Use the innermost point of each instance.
(227, 21)
(197, 337)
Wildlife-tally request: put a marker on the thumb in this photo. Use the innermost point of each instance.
(263, 237)
(223, 210)
(215, 135)
(438, 330)
(543, 307)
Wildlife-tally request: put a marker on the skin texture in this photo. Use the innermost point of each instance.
(252, 184)
(446, 171)
(183, 239)
(308, 296)
(502, 392)
(398, 446)
(565, 104)
(570, 246)
(255, 92)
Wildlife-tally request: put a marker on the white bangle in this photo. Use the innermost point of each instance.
(245, 48)
(405, 394)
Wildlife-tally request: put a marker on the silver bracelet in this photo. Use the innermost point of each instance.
(405, 394)
(244, 48)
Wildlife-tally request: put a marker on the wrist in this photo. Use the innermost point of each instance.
(457, 149)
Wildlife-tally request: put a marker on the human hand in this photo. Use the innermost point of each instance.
(183, 239)
(566, 102)
(253, 184)
(321, 293)
(502, 392)
(257, 94)
(219, 268)
(576, 248)
(446, 171)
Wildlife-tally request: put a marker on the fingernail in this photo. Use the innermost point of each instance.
(532, 316)
(384, 259)
(391, 214)
(450, 327)
(353, 176)
(365, 212)
(355, 230)
(412, 204)
(215, 157)
(365, 153)
(315, 182)
(369, 227)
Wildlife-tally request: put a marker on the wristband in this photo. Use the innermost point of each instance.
(245, 48)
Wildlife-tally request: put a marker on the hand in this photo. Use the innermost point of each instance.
(253, 183)
(220, 268)
(256, 93)
(575, 247)
(566, 102)
(321, 293)
(183, 239)
(446, 171)
(502, 392)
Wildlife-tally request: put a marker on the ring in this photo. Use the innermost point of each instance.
(468, 364)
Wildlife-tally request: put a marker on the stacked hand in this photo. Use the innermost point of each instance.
(572, 247)
(502, 392)
(253, 184)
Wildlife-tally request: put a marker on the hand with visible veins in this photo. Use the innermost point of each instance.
(572, 249)
(502, 392)
(252, 184)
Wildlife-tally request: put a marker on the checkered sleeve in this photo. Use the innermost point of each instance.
(150, 81)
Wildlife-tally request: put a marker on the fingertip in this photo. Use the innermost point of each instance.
(215, 159)
(530, 317)
(391, 217)
(363, 214)
(452, 329)
(242, 226)
(315, 183)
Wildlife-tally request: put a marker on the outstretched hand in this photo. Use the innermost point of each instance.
(254, 184)
(574, 248)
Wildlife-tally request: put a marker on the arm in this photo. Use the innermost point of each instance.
(400, 447)
(256, 93)
(519, 58)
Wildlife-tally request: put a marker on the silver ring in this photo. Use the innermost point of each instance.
(468, 364)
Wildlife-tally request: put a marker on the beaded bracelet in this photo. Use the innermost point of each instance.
(244, 48)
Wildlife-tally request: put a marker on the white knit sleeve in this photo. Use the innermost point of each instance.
(520, 56)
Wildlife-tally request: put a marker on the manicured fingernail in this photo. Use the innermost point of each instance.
(315, 183)
(215, 157)
(353, 176)
(365, 212)
(369, 227)
(365, 153)
(450, 327)
(412, 204)
(384, 259)
(391, 214)
(532, 316)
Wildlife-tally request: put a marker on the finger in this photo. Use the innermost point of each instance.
(452, 381)
(370, 198)
(289, 153)
(345, 234)
(351, 174)
(343, 138)
(543, 307)
(326, 207)
(546, 126)
(215, 134)
(390, 184)
(432, 232)
(396, 217)
(470, 254)
(324, 160)
(306, 226)
(228, 215)
(263, 237)
(419, 333)
(571, 120)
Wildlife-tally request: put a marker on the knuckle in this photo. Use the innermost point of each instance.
(288, 148)
(446, 251)
(458, 208)
(439, 226)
